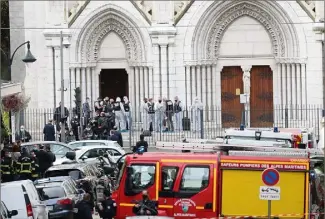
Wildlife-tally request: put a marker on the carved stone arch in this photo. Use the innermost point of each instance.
(108, 21)
(220, 15)
(229, 16)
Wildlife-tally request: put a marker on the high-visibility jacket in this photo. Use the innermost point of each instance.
(7, 166)
(35, 168)
(25, 165)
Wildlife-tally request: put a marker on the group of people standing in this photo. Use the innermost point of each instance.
(168, 116)
(21, 165)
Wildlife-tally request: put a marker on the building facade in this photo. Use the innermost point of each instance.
(270, 51)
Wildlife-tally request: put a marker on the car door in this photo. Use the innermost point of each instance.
(168, 175)
(194, 193)
(115, 154)
(39, 208)
(89, 156)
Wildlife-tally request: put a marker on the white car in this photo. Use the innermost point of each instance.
(78, 144)
(23, 197)
(90, 153)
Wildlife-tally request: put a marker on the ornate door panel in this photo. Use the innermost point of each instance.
(261, 97)
(231, 108)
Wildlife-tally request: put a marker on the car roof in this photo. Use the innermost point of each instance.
(86, 148)
(86, 141)
(76, 166)
(53, 179)
(44, 142)
(48, 184)
(15, 183)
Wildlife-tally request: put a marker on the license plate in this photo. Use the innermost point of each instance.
(50, 208)
(75, 210)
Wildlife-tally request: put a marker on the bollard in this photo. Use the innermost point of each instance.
(202, 124)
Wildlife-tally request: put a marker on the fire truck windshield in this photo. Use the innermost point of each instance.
(140, 176)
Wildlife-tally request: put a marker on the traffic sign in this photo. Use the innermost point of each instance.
(269, 193)
(270, 177)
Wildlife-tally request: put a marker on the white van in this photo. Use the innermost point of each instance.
(23, 197)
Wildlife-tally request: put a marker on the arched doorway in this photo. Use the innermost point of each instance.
(113, 83)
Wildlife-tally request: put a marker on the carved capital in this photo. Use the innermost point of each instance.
(246, 68)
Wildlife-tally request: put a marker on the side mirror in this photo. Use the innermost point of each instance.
(84, 158)
(13, 213)
(108, 170)
(71, 155)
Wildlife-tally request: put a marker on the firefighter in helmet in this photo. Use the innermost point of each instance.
(7, 167)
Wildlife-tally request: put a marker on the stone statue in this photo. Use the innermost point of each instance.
(247, 82)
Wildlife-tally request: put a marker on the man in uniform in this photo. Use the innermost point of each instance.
(127, 111)
(119, 115)
(7, 168)
(35, 168)
(146, 206)
(75, 123)
(178, 110)
(25, 165)
(169, 106)
(151, 114)
(107, 207)
(159, 114)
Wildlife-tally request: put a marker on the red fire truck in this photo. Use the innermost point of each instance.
(222, 182)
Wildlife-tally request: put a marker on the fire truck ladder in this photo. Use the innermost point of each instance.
(239, 150)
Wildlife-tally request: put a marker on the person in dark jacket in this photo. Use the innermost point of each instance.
(44, 160)
(107, 207)
(50, 153)
(49, 131)
(84, 210)
(23, 135)
(141, 143)
(25, 165)
(113, 136)
(145, 206)
(119, 135)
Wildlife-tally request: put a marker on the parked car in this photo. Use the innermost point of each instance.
(57, 148)
(78, 144)
(5, 213)
(23, 196)
(90, 154)
(60, 195)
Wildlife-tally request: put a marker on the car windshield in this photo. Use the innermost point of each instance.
(83, 144)
(75, 174)
(47, 193)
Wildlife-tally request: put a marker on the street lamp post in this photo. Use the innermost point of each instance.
(29, 58)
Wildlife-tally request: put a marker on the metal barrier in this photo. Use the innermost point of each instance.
(207, 123)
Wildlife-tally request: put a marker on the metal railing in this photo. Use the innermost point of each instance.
(208, 123)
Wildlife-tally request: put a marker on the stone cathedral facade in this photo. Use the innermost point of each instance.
(215, 50)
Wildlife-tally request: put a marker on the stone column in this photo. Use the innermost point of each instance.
(304, 84)
(214, 91)
(52, 84)
(141, 83)
(83, 84)
(132, 92)
(146, 82)
(284, 84)
(199, 82)
(92, 87)
(204, 91)
(57, 74)
(209, 93)
(288, 87)
(89, 93)
(217, 72)
(151, 82)
(156, 72)
(188, 85)
(299, 97)
(137, 93)
(77, 77)
(163, 55)
(96, 77)
(72, 86)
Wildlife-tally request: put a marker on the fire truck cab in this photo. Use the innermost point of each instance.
(224, 182)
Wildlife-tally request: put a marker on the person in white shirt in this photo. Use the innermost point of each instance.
(159, 115)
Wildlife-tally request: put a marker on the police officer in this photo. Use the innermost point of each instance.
(75, 123)
(169, 106)
(107, 207)
(119, 115)
(145, 206)
(35, 168)
(151, 114)
(178, 110)
(7, 167)
(127, 111)
(25, 165)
